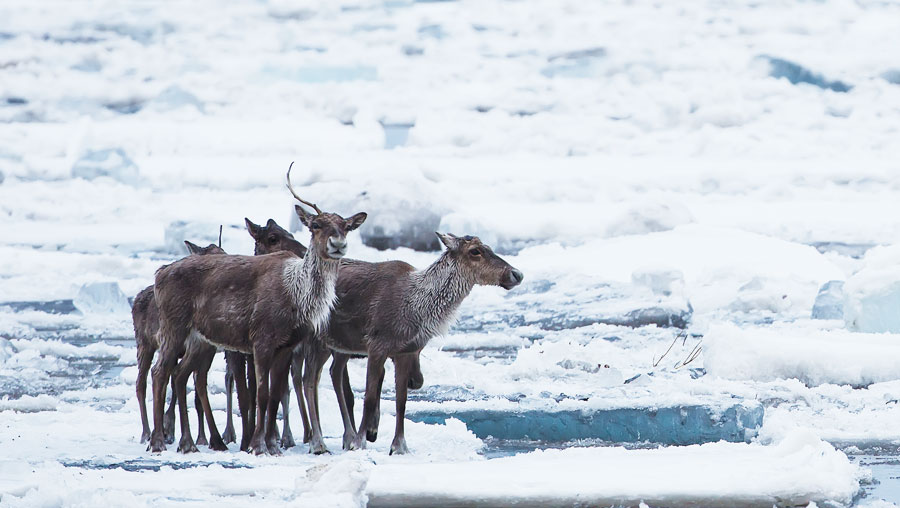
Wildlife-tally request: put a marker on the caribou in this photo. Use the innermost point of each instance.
(267, 239)
(259, 305)
(391, 310)
(145, 315)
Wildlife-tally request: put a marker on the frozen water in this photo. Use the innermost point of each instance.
(796, 73)
(830, 301)
(681, 425)
(109, 162)
(102, 298)
(892, 76)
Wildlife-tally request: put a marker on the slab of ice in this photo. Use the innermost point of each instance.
(109, 162)
(681, 425)
(175, 97)
(798, 470)
(813, 356)
(102, 298)
(830, 301)
(872, 295)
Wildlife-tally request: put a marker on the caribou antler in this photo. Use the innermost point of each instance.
(220, 236)
(298, 198)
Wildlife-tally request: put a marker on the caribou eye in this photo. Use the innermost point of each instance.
(273, 240)
(315, 225)
(475, 252)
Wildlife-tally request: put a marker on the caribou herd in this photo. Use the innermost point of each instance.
(286, 310)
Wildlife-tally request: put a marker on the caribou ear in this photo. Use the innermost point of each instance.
(450, 241)
(270, 223)
(305, 217)
(356, 221)
(253, 229)
(192, 248)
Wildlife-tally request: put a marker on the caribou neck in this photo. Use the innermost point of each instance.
(435, 294)
(310, 282)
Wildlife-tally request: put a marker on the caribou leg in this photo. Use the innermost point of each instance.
(161, 373)
(169, 422)
(182, 372)
(243, 396)
(144, 359)
(312, 369)
(200, 387)
(297, 379)
(338, 373)
(281, 362)
(287, 437)
(198, 406)
(404, 365)
(229, 436)
(263, 364)
(374, 378)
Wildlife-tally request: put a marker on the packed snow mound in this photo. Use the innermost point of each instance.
(199, 233)
(102, 298)
(812, 355)
(872, 295)
(796, 471)
(403, 210)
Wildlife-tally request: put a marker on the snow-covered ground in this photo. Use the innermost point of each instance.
(677, 181)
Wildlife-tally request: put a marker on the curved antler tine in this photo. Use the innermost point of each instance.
(298, 198)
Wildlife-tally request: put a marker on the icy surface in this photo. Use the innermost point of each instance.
(677, 181)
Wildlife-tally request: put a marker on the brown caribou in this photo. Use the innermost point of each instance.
(267, 239)
(391, 310)
(256, 305)
(145, 315)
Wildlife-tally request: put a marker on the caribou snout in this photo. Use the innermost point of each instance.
(336, 247)
(512, 279)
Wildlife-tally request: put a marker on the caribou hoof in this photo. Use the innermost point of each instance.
(217, 445)
(307, 436)
(358, 443)
(287, 441)
(258, 447)
(229, 435)
(145, 436)
(274, 449)
(399, 448)
(317, 448)
(201, 440)
(348, 440)
(156, 446)
(371, 435)
(186, 445)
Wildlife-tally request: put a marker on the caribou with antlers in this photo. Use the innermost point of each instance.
(259, 305)
(391, 310)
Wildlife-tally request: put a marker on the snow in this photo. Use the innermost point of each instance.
(684, 185)
(812, 356)
(798, 470)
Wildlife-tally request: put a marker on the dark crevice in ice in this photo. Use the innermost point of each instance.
(796, 74)
(50, 307)
(138, 465)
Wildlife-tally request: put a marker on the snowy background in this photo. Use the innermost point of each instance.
(713, 183)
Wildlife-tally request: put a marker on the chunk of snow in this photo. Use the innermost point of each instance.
(175, 97)
(660, 281)
(813, 356)
(101, 298)
(799, 469)
(650, 218)
(109, 162)
(830, 301)
(28, 404)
